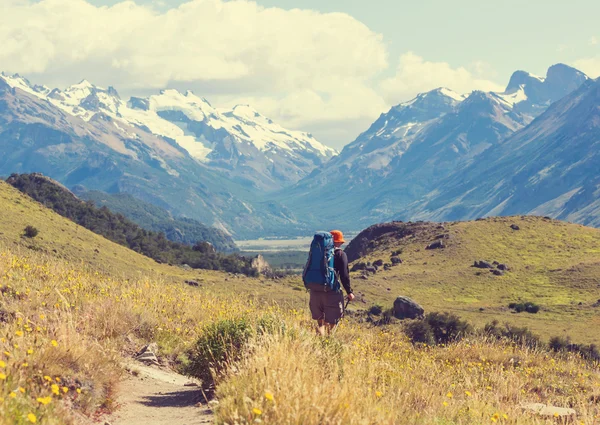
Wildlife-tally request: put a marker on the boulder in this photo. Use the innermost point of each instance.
(483, 265)
(396, 260)
(439, 244)
(147, 354)
(371, 269)
(358, 266)
(378, 263)
(497, 272)
(405, 308)
(503, 267)
(548, 411)
(192, 283)
(515, 227)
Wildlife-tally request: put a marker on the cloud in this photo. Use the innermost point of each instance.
(590, 66)
(415, 75)
(300, 64)
(593, 41)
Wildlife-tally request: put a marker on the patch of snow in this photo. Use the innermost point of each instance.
(452, 94)
(514, 97)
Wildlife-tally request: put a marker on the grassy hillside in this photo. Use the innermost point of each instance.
(63, 240)
(123, 231)
(157, 219)
(73, 305)
(553, 264)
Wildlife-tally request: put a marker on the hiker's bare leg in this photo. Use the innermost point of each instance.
(321, 327)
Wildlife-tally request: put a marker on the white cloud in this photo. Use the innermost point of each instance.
(593, 41)
(415, 75)
(307, 70)
(301, 65)
(590, 66)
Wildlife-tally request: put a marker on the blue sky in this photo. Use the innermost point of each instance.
(329, 67)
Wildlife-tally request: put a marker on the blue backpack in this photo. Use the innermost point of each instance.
(319, 268)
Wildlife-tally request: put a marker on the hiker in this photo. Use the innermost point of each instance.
(326, 268)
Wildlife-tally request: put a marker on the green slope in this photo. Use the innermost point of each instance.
(552, 263)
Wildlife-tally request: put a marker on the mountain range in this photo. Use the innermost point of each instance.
(173, 150)
(412, 150)
(530, 149)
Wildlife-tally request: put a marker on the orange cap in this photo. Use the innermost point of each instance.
(338, 236)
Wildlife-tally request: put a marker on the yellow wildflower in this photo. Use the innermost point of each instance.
(449, 395)
(257, 411)
(55, 389)
(31, 418)
(54, 343)
(468, 393)
(44, 400)
(30, 351)
(269, 396)
(378, 394)
(19, 333)
(2, 364)
(22, 390)
(2, 376)
(65, 390)
(47, 378)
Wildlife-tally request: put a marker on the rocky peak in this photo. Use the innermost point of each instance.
(562, 79)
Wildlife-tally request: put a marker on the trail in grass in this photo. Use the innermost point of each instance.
(153, 396)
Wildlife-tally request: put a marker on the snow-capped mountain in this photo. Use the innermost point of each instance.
(239, 142)
(551, 168)
(416, 145)
(531, 95)
(56, 133)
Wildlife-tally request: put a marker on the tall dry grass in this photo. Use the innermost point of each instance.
(378, 377)
(64, 329)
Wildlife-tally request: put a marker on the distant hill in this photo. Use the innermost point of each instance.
(551, 263)
(121, 230)
(151, 217)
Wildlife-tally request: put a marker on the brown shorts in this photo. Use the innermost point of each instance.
(328, 306)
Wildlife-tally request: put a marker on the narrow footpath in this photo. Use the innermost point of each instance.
(152, 396)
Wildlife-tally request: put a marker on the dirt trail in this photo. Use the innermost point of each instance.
(152, 396)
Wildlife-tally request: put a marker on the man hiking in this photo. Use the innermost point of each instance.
(326, 268)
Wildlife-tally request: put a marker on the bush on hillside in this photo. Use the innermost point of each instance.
(376, 309)
(419, 332)
(438, 328)
(564, 344)
(520, 335)
(220, 344)
(30, 232)
(448, 327)
(529, 307)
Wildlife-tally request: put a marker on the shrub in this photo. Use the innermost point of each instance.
(522, 336)
(447, 327)
(221, 343)
(558, 343)
(529, 307)
(438, 328)
(31, 232)
(376, 309)
(419, 331)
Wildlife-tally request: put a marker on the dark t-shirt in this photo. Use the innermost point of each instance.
(340, 264)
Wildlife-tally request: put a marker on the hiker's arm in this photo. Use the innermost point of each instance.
(344, 272)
